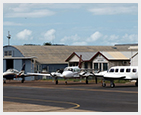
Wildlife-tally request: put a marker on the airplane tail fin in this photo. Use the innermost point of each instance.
(80, 62)
(22, 70)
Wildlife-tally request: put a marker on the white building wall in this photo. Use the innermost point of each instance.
(74, 59)
(134, 61)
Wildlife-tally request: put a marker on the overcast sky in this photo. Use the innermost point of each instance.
(70, 23)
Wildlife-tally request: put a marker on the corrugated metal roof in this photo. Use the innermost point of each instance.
(122, 55)
(86, 55)
(58, 54)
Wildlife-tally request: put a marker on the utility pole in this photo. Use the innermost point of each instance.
(9, 36)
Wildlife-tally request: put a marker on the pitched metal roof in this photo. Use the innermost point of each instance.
(109, 55)
(86, 55)
(119, 55)
(58, 54)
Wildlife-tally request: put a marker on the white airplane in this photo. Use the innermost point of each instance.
(74, 72)
(119, 72)
(68, 73)
(10, 74)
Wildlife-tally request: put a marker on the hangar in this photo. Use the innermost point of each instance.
(49, 58)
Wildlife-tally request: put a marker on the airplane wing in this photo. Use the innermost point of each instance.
(7, 73)
(86, 74)
(36, 74)
(100, 74)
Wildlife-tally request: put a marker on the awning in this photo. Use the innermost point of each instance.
(20, 57)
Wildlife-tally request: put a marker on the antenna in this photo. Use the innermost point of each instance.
(9, 36)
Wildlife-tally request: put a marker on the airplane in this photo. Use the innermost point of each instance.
(10, 74)
(68, 73)
(74, 72)
(119, 73)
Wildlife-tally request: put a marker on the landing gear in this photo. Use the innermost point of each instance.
(112, 85)
(23, 80)
(56, 81)
(4, 81)
(66, 82)
(136, 84)
(86, 80)
(103, 83)
(96, 80)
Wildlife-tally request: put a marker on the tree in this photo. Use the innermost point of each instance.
(47, 44)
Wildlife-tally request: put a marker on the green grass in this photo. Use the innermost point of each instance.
(92, 80)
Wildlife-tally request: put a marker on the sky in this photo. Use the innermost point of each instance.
(79, 24)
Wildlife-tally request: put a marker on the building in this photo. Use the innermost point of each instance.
(101, 61)
(50, 58)
(134, 58)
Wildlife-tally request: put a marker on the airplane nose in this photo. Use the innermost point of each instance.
(66, 74)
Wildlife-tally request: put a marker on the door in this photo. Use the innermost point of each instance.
(9, 64)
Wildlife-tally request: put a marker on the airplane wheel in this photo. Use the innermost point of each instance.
(66, 82)
(56, 81)
(4, 82)
(22, 81)
(112, 85)
(103, 84)
(136, 84)
(86, 81)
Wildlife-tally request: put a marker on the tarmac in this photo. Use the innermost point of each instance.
(46, 96)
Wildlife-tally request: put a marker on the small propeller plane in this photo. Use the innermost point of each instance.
(119, 73)
(10, 74)
(74, 72)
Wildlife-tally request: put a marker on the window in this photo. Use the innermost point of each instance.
(111, 70)
(76, 70)
(8, 53)
(128, 70)
(134, 70)
(121, 70)
(86, 65)
(96, 66)
(116, 70)
(105, 66)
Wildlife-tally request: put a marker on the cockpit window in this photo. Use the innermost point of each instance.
(70, 69)
(128, 70)
(122, 70)
(111, 70)
(76, 70)
(134, 70)
(12, 70)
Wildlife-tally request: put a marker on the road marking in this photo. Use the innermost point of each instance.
(71, 103)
